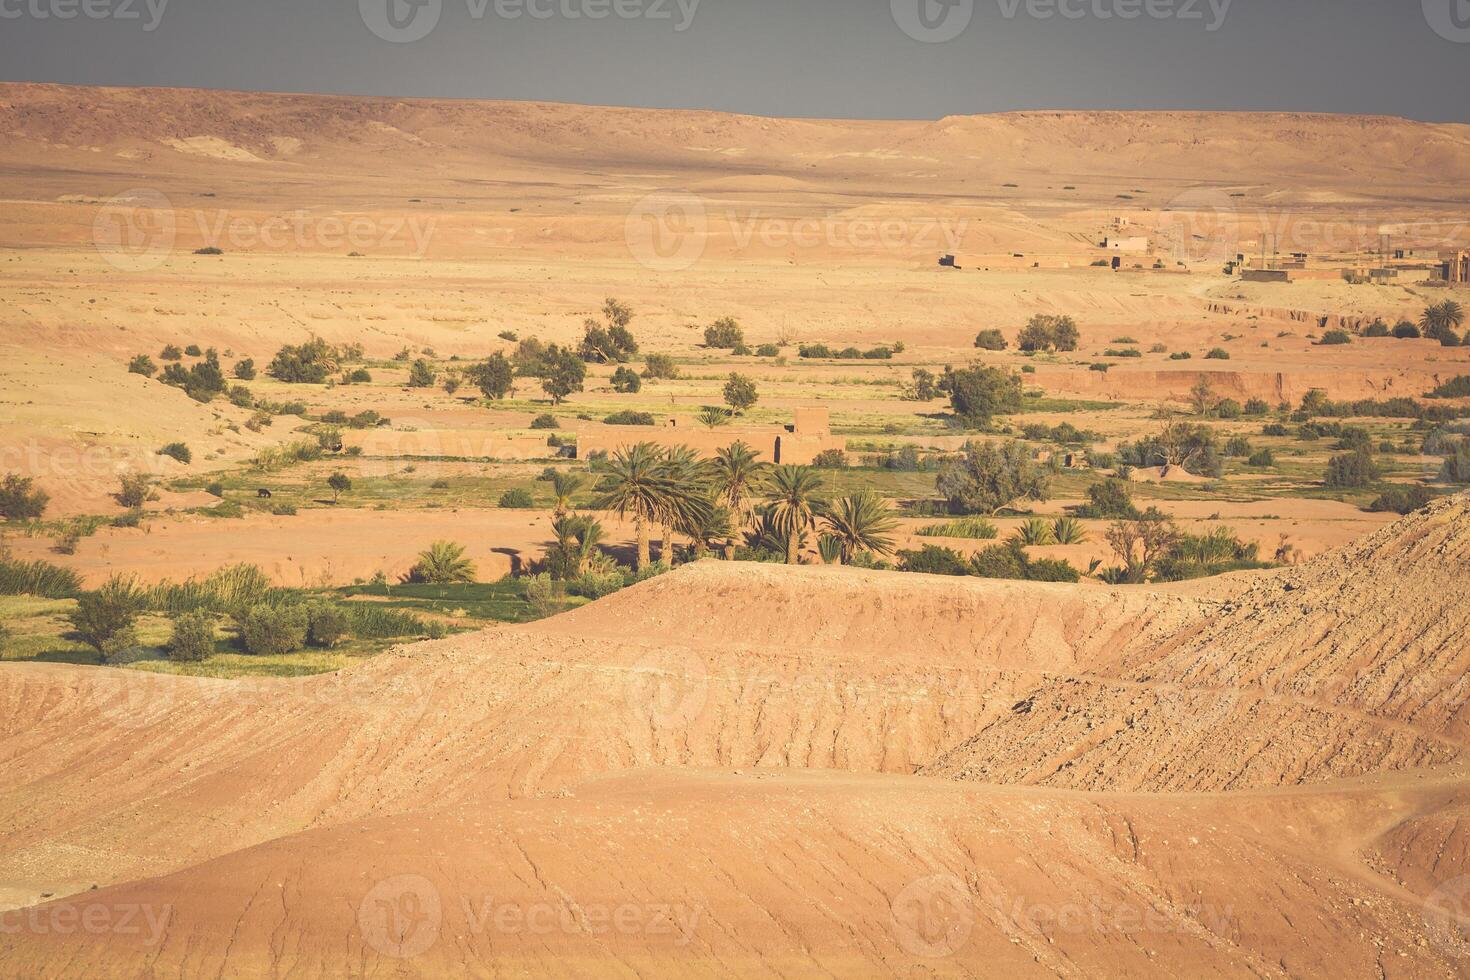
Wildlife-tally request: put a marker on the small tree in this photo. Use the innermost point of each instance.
(452, 381)
(740, 393)
(421, 375)
(104, 618)
(988, 476)
(979, 393)
(565, 373)
(625, 381)
(1043, 332)
(494, 376)
(133, 490)
(1202, 397)
(339, 483)
(990, 339)
(1351, 470)
(724, 333)
(1140, 543)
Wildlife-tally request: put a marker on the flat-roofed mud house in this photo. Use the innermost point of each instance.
(800, 442)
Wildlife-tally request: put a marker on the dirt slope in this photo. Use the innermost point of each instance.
(733, 747)
(1352, 663)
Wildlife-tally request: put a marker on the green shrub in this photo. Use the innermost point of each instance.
(1351, 470)
(1401, 500)
(178, 451)
(1228, 408)
(517, 498)
(1456, 468)
(19, 500)
(629, 418)
(991, 339)
(660, 367)
(934, 560)
(245, 370)
(768, 350)
(272, 630)
(225, 590)
(170, 352)
(1051, 570)
(724, 333)
(545, 422)
(142, 364)
(830, 459)
(193, 638)
(999, 561)
(370, 621)
(1335, 338)
(1036, 531)
(1109, 499)
(1068, 530)
(1256, 406)
(104, 618)
(1218, 354)
(1238, 446)
(625, 381)
(1457, 387)
(307, 363)
(327, 625)
(1262, 457)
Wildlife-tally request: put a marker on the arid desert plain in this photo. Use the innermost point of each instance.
(381, 594)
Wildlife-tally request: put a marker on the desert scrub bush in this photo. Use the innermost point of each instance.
(19, 500)
(170, 352)
(1068, 530)
(933, 560)
(660, 367)
(104, 618)
(517, 498)
(1036, 531)
(629, 418)
(267, 629)
(545, 422)
(1110, 498)
(192, 639)
(596, 584)
(1256, 406)
(1351, 470)
(1456, 468)
(768, 350)
(1457, 387)
(133, 490)
(1238, 446)
(421, 375)
(991, 339)
(1401, 500)
(308, 363)
(830, 459)
(245, 370)
(972, 528)
(178, 451)
(142, 364)
(327, 625)
(724, 333)
(37, 578)
(1335, 338)
(1262, 457)
(1217, 354)
(1005, 561)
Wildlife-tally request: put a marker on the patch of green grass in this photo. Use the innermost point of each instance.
(501, 602)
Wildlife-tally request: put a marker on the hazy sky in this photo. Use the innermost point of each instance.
(860, 58)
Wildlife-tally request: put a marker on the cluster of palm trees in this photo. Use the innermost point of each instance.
(716, 502)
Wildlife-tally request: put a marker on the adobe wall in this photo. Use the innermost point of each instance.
(773, 443)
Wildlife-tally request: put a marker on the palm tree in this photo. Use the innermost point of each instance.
(713, 523)
(738, 477)
(643, 487)
(860, 522)
(713, 416)
(442, 564)
(792, 494)
(577, 538)
(564, 486)
(1441, 318)
(686, 468)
